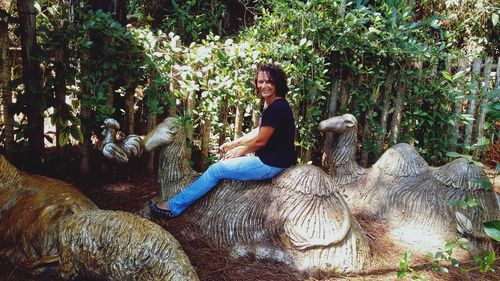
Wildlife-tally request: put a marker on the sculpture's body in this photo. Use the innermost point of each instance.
(44, 221)
(412, 196)
(298, 218)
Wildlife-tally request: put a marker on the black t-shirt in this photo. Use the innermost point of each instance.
(280, 149)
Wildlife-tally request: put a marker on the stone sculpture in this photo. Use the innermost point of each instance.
(120, 151)
(299, 218)
(412, 196)
(44, 221)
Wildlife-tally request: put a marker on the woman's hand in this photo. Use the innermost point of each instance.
(227, 146)
(232, 153)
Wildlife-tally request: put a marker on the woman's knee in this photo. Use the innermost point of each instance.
(216, 170)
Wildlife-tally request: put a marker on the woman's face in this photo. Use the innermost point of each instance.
(265, 85)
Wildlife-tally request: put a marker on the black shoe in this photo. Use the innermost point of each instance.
(157, 212)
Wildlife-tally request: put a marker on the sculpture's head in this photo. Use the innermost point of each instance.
(165, 133)
(338, 124)
(110, 124)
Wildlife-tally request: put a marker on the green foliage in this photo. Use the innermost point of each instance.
(486, 262)
(446, 256)
(492, 228)
(317, 42)
(470, 25)
(405, 268)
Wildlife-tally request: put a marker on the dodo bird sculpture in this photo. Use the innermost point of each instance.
(298, 218)
(413, 197)
(46, 222)
(120, 151)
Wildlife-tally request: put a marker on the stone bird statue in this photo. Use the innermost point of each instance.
(297, 218)
(119, 150)
(413, 197)
(46, 222)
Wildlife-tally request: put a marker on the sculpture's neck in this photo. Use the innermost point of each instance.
(173, 164)
(8, 173)
(110, 136)
(342, 160)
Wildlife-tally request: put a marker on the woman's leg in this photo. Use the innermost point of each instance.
(241, 168)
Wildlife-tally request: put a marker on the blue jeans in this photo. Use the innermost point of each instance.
(241, 168)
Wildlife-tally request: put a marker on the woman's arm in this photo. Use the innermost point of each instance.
(263, 136)
(250, 136)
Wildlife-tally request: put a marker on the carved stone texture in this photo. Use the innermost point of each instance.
(298, 218)
(412, 196)
(46, 221)
(120, 246)
(31, 208)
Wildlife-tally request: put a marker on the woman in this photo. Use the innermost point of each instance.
(272, 142)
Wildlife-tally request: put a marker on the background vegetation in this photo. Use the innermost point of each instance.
(403, 68)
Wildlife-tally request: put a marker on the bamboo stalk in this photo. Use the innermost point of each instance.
(471, 104)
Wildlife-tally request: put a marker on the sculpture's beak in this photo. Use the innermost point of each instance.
(328, 125)
(334, 124)
(323, 125)
(160, 136)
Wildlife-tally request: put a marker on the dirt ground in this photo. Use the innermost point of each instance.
(129, 190)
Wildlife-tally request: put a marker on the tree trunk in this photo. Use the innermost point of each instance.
(471, 104)
(397, 115)
(150, 159)
(205, 141)
(497, 82)
(5, 92)
(386, 104)
(223, 120)
(306, 153)
(459, 103)
(31, 77)
(367, 130)
(344, 95)
(60, 90)
(129, 122)
(331, 111)
(255, 118)
(110, 95)
(191, 105)
(85, 116)
(342, 8)
(483, 102)
(484, 97)
(238, 121)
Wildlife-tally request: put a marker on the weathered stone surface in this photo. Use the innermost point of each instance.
(299, 218)
(412, 196)
(46, 221)
(120, 246)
